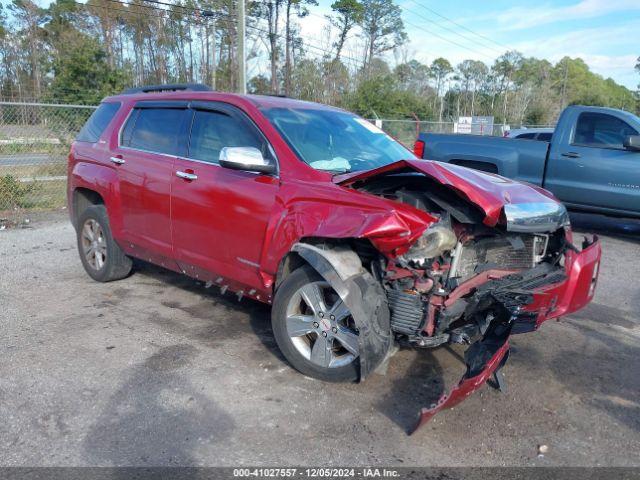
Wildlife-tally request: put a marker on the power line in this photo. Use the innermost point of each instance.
(432, 32)
(231, 20)
(439, 25)
(463, 27)
(421, 27)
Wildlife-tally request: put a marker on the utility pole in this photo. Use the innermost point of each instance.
(242, 58)
(564, 82)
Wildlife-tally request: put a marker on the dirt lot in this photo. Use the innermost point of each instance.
(158, 370)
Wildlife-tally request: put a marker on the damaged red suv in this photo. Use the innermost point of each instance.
(358, 245)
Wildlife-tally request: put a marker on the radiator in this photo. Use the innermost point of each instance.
(514, 252)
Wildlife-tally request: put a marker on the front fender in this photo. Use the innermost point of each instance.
(361, 293)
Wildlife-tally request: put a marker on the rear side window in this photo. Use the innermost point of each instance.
(212, 131)
(526, 136)
(154, 129)
(545, 136)
(601, 130)
(98, 122)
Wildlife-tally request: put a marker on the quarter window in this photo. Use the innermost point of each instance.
(98, 122)
(211, 131)
(154, 129)
(526, 136)
(601, 130)
(545, 136)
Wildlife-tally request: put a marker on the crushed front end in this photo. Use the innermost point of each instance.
(470, 281)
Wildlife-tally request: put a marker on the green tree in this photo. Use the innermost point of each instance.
(440, 69)
(383, 28)
(348, 14)
(80, 66)
(413, 76)
(300, 10)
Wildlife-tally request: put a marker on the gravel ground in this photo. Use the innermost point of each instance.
(158, 370)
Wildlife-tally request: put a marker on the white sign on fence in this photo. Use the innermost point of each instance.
(463, 125)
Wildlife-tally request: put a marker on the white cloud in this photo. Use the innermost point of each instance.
(518, 18)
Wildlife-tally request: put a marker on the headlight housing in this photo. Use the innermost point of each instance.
(436, 240)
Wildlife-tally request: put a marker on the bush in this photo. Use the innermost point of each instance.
(15, 194)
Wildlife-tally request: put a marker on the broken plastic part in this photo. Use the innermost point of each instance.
(362, 294)
(483, 358)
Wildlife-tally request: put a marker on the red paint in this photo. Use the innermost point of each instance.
(486, 190)
(465, 387)
(234, 228)
(230, 224)
(239, 225)
(575, 292)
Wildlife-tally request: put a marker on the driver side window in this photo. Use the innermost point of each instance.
(601, 130)
(211, 131)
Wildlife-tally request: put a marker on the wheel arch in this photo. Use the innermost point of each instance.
(293, 260)
(81, 199)
(342, 268)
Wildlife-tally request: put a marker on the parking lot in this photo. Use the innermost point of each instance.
(156, 369)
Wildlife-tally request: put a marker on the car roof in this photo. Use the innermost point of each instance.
(260, 101)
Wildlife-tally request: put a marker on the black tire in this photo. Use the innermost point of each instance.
(116, 264)
(288, 288)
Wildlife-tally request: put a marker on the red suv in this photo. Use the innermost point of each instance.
(358, 245)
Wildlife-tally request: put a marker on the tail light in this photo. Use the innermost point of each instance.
(418, 148)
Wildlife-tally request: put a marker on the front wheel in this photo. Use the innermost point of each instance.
(314, 329)
(101, 256)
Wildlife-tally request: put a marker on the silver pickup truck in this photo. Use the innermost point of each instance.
(592, 162)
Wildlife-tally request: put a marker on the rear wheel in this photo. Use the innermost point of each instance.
(101, 256)
(314, 328)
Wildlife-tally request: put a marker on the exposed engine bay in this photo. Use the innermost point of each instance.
(461, 276)
(484, 258)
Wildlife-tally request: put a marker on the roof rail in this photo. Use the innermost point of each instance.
(169, 87)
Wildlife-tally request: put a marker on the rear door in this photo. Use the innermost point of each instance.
(592, 168)
(220, 216)
(149, 143)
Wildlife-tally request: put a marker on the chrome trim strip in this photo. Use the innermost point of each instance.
(248, 262)
(535, 217)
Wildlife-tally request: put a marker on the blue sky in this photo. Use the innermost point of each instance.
(605, 33)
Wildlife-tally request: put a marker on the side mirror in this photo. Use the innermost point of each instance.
(245, 158)
(632, 142)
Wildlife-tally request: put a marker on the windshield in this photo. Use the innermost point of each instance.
(335, 141)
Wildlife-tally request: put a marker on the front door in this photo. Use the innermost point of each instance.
(220, 216)
(593, 168)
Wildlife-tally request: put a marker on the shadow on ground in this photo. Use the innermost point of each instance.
(408, 387)
(594, 372)
(421, 385)
(156, 417)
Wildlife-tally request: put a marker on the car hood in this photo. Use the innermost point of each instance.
(522, 207)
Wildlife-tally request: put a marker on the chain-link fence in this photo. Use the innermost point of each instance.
(406, 131)
(35, 140)
(34, 144)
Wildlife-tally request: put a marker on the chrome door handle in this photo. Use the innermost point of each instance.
(187, 176)
(117, 160)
